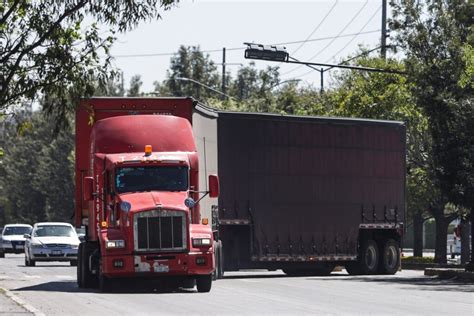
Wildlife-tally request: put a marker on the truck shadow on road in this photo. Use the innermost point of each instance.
(127, 288)
(417, 283)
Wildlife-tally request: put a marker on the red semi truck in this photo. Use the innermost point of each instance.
(137, 177)
(301, 194)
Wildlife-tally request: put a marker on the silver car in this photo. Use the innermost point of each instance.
(12, 238)
(51, 242)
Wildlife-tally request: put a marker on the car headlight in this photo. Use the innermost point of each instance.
(201, 242)
(110, 244)
(74, 246)
(37, 246)
(6, 242)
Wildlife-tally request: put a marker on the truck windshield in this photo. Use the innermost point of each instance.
(137, 179)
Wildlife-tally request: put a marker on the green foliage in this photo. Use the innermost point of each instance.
(190, 63)
(435, 37)
(36, 175)
(53, 47)
(135, 86)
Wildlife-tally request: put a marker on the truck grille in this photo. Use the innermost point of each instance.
(160, 230)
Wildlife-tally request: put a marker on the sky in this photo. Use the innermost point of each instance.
(324, 32)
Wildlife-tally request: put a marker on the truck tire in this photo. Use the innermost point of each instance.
(220, 261)
(79, 266)
(204, 283)
(390, 257)
(105, 284)
(87, 279)
(369, 257)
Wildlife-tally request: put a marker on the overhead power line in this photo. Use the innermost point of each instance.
(347, 44)
(316, 28)
(357, 34)
(242, 48)
(332, 41)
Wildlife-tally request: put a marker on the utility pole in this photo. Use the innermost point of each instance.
(383, 51)
(322, 80)
(223, 74)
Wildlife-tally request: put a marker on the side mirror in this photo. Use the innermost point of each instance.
(213, 186)
(27, 236)
(87, 186)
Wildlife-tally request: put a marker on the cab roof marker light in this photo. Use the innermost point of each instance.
(148, 150)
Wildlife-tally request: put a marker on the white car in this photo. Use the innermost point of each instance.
(12, 238)
(51, 242)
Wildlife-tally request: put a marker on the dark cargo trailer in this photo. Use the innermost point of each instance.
(303, 194)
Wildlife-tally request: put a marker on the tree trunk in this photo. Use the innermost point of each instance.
(465, 233)
(418, 235)
(441, 239)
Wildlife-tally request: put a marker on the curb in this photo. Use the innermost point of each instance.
(22, 303)
(423, 266)
(459, 274)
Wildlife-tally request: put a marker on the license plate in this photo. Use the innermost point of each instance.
(57, 252)
(161, 268)
(19, 246)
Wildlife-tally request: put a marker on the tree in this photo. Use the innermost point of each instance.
(54, 47)
(37, 170)
(434, 36)
(190, 62)
(135, 86)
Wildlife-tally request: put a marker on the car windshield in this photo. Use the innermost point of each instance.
(16, 230)
(139, 179)
(54, 230)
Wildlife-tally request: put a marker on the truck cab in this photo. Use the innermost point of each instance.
(141, 216)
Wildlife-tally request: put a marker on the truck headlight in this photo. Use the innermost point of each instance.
(111, 244)
(201, 242)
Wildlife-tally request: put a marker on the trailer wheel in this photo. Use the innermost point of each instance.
(204, 283)
(369, 257)
(390, 257)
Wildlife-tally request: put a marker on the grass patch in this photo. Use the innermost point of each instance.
(417, 260)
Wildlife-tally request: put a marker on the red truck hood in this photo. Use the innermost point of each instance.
(149, 200)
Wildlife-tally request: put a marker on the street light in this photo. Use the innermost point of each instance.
(275, 53)
(203, 85)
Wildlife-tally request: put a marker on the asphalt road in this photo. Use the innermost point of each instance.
(51, 289)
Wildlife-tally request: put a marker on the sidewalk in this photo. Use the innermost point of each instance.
(10, 307)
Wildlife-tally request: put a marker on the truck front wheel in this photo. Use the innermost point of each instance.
(85, 278)
(390, 257)
(204, 283)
